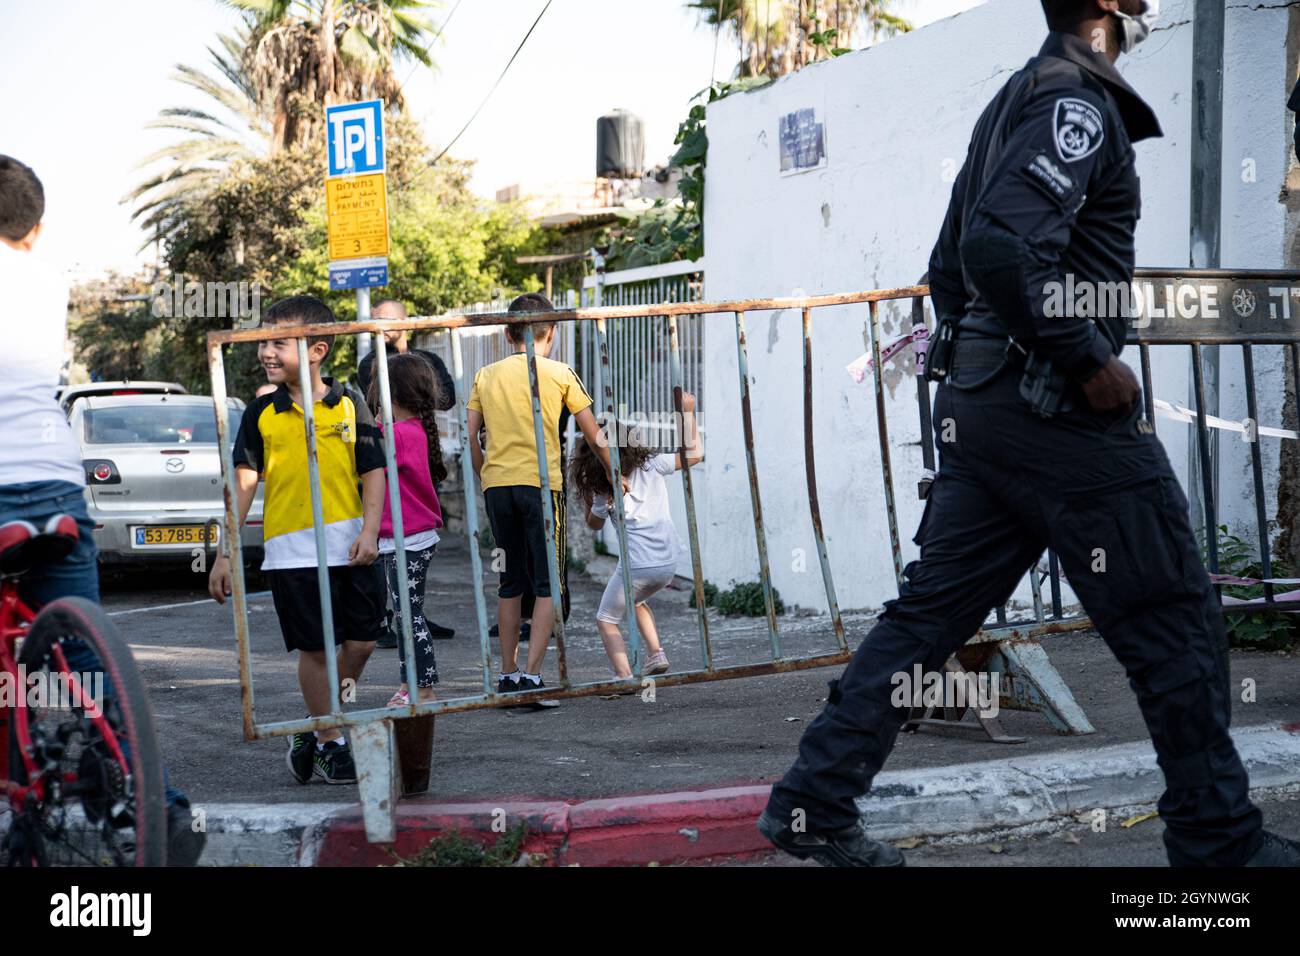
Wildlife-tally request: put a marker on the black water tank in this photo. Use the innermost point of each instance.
(620, 146)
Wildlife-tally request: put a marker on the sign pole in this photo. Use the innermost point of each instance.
(363, 315)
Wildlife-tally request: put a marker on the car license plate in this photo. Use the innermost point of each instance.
(173, 534)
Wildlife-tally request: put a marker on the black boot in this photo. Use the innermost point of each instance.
(847, 847)
(1276, 851)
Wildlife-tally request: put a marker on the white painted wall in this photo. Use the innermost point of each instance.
(895, 114)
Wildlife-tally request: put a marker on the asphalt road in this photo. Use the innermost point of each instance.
(704, 735)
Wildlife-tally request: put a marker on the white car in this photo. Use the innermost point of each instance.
(68, 395)
(153, 477)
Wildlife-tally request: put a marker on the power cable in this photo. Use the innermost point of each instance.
(494, 85)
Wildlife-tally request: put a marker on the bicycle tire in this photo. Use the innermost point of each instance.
(79, 618)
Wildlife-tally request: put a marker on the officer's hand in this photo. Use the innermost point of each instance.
(1115, 386)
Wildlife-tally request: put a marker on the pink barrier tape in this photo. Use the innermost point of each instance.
(919, 338)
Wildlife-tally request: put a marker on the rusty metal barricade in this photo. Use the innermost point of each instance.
(1028, 680)
(372, 730)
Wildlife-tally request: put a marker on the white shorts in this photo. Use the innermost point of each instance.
(645, 582)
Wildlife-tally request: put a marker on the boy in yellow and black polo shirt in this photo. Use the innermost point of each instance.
(272, 442)
(502, 400)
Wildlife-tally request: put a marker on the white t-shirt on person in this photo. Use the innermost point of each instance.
(37, 443)
(652, 540)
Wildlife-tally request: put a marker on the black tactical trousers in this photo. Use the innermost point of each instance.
(1099, 491)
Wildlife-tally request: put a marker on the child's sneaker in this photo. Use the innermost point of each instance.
(526, 684)
(657, 663)
(334, 763)
(302, 748)
(507, 684)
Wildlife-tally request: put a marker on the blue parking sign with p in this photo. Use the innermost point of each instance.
(355, 138)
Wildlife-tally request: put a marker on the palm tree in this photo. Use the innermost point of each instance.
(304, 55)
(779, 36)
(216, 141)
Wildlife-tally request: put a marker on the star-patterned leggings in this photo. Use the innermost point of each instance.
(417, 568)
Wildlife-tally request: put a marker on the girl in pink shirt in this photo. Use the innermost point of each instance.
(418, 453)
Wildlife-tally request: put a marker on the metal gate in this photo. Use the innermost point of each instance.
(1031, 682)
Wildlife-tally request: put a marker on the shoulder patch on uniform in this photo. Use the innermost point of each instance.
(1048, 174)
(1078, 129)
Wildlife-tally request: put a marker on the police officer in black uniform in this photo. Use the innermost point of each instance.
(1045, 446)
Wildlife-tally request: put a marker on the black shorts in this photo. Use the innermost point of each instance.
(356, 596)
(515, 514)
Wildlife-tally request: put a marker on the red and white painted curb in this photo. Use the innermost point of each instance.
(692, 825)
(621, 831)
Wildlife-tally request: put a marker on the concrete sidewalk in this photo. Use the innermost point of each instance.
(1042, 791)
(699, 737)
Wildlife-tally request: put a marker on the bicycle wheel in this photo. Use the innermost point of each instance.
(100, 776)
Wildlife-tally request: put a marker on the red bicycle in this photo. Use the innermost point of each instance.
(81, 769)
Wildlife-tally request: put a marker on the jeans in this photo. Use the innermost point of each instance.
(77, 575)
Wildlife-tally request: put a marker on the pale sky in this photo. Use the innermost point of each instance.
(78, 87)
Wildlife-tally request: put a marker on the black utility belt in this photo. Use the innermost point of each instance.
(1042, 386)
(983, 352)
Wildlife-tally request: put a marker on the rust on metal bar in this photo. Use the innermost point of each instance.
(568, 315)
(810, 473)
(1207, 480)
(923, 404)
(872, 336)
(1257, 469)
(1148, 391)
(308, 398)
(548, 510)
(1030, 632)
(616, 488)
(692, 529)
(751, 467)
(1219, 329)
(453, 705)
(1267, 325)
(230, 497)
(471, 511)
(403, 608)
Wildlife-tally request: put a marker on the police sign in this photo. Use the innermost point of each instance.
(356, 190)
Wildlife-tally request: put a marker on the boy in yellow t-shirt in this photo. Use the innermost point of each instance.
(271, 443)
(502, 400)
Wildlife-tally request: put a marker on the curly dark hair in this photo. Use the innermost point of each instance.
(411, 384)
(587, 471)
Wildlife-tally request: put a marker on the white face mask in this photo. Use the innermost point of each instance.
(1135, 29)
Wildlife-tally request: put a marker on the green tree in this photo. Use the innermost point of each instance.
(777, 37)
(113, 331)
(232, 128)
(446, 247)
(264, 223)
(247, 228)
(303, 55)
